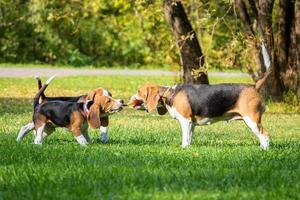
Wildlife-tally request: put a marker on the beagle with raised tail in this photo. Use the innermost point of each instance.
(24, 130)
(204, 104)
(73, 115)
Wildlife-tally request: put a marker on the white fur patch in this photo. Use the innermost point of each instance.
(251, 124)
(104, 134)
(50, 80)
(264, 141)
(266, 56)
(39, 135)
(105, 93)
(81, 140)
(187, 126)
(24, 130)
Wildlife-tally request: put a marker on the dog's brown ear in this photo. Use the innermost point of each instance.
(91, 95)
(152, 99)
(94, 116)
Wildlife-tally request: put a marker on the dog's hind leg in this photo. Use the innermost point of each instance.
(49, 129)
(256, 127)
(39, 134)
(25, 130)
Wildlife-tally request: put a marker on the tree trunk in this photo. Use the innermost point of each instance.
(250, 33)
(262, 10)
(297, 28)
(191, 57)
(273, 87)
(287, 44)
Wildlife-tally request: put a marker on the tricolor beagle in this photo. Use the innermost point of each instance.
(73, 114)
(24, 130)
(205, 104)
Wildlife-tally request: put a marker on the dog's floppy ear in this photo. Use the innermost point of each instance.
(162, 109)
(152, 99)
(94, 116)
(91, 95)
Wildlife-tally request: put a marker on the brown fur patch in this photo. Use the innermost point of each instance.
(39, 120)
(249, 104)
(76, 122)
(182, 105)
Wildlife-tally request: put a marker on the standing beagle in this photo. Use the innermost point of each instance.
(82, 98)
(24, 130)
(72, 115)
(203, 104)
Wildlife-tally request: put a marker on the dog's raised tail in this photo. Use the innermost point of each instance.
(267, 62)
(41, 91)
(43, 97)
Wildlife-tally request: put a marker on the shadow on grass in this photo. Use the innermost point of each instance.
(15, 105)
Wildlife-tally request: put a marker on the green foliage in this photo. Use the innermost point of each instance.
(114, 33)
(143, 159)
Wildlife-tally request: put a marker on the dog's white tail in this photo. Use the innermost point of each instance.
(267, 63)
(40, 92)
(266, 56)
(50, 79)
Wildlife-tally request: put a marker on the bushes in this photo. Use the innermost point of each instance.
(103, 32)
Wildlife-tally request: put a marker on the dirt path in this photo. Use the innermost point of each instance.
(29, 72)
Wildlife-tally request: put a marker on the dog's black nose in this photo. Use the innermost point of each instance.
(121, 101)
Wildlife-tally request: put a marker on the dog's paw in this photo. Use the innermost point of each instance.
(104, 137)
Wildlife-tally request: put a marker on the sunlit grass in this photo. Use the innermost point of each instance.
(143, 159)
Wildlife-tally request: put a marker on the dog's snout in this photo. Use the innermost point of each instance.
(120, 102)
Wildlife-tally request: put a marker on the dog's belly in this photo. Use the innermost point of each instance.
(207, 121)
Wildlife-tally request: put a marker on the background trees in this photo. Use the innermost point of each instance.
(137, 33)
(274, 23)
(111, 33)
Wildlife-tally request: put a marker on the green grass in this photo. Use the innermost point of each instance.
(143, 159)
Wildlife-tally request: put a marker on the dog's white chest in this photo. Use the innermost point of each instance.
(174, 113)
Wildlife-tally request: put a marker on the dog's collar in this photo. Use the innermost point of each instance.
(85, 112)
(168, 93)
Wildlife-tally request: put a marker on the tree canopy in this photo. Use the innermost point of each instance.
(115, 32)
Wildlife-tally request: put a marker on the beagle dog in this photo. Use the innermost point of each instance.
(73, 114)
(30, 126)
(205, 104)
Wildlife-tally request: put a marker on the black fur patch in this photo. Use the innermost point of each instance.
(59, 112)
(212, 100)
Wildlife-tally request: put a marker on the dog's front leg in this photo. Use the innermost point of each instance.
(24, 130)
(85, 133)
(81, 140)
(104, 134)
(104, 129)
(187, 128)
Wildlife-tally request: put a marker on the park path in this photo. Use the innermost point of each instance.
(29, 72)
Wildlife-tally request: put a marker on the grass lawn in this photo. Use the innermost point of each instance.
(143, 159)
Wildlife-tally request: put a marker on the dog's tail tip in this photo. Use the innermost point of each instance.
(50, 79)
